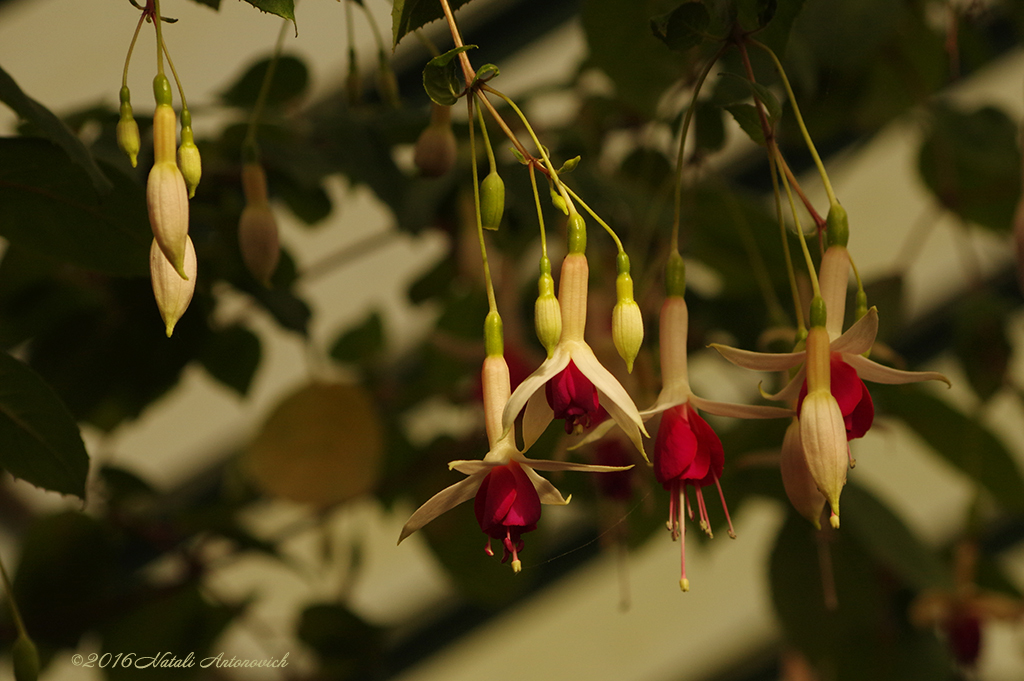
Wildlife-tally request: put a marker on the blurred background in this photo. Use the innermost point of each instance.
(249, 476)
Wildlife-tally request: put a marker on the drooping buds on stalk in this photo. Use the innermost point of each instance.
(173, 294)
(436, 148)
(796, 477)
(189, 163)
(627, 321)
(547, 312)
(166, 195)
(492, 200)
(257, 228)
(128, 129)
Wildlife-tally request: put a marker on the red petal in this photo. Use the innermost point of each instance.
(710, 455)
(675, 446)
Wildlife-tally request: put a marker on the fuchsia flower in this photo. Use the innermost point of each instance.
(508, 491)
(852, 395)
(576, 385)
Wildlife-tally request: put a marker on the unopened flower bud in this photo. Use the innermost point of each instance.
(128, 129)
(257, 228)
(627, 321)
(492, 200)
(796, 477)
(167, 201)
(173, 293)
(547, 314)
(436, 148)
(26, 659)
(838, 226)
(577, 233)
(188, 155)
(558, 201)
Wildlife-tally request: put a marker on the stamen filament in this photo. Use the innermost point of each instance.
(725, 507)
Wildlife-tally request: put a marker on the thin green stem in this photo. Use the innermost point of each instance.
(790, 271)
(131, 47)
(504, 127)
(803, 240)
(261, 98)
(540, 213)
(856, 275)
(491, 302)
(615, 237)
(15, 614)
(800, 121)
(177, 81)
(487, 140)
(375, 29)
(157, 24)
(350, 33)
(687, 118)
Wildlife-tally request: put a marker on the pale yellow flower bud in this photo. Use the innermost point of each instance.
(173, 293)
(572, 295)
(128, 137)
(548, 320)
(627, 322)
(796, 477)
(189, 163)
(167, 201)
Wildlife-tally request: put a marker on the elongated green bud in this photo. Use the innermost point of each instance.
(547, 312)
(627, 320)
(577, 233)
(162, 89)
(494, 337)
(26, 659)
(818, 312)
(189, 162)
(838, 232)
(675, 275)
(558, 201)
(492, 200)
(128, 129)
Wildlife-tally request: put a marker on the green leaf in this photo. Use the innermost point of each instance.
(282, 8)
(409, 15)
(750, 122)
(50, 207)
(53, 129)
(342, 639)
(709, 128)
(232, 357)
(960, 440)
(981, 343)
(971, 161)
(879, 530)
(291, 78)
(776, 34)
(683, 28)
(360, 343)
(485, 73)
(39, 439)
(762, 94)
(442, 77)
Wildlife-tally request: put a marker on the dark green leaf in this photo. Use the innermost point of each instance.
(960, 440)
(408, 15)
(311, 204)
(433, 282)
(39, 440)
(486, 72)
(362, 342)
(53, 129)
(232, 357)
(683, 28)
(709, 128)
(882, 533)
(971, 162)
(282, 8)
(981, 343)
(442, 77)
(338, 635)
(746, 115)
(776, 34)
(50, 207)
(763, 95)
(291, 78)
(290, 311)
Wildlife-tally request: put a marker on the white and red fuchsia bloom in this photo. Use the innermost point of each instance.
(508, 491)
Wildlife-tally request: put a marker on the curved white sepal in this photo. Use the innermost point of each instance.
(877, 373)
(536, 419)
(860, 336)
(550, 367)
(545, 490)
(740, 411)
(445, 500)
(760, 361)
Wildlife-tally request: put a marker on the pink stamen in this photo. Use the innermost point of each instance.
(684, 583)
(689, 510)
(705, 521)
(487, 548)
(673, 516)
(732, 532)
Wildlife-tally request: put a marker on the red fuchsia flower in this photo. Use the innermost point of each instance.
(852, 396)
(507, 489)
(576, 385)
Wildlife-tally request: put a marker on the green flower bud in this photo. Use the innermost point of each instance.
(558, 201)
(675, 275)
(838, 226)
(627, 321)
(128, 129)
(494, 337)
(547, 312)
(818, 311)
(189, 163)
(26, 659)
(577, 233)
(172, 292)
(492, 200)
(436, 148)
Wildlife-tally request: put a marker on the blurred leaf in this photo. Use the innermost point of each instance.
(980, 342)
(39, 439)
(51, 208)
(709, 128)
(885, 293)
(776, 33)
(621, 44)
(290, 311)
(321, 445)
(683, 28)
(442, 77)
(345, 643)
(960, 440)
(311, 204)
(408, 15)
(746, 115)
(464, 314)
(291, 78)
(282, 8)
(761, 94)
(882, 533)
(362, 342)
(53, 129)
(432, 283)
(172, 623)
(971, 162)
(232, 356)
(122, 486)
